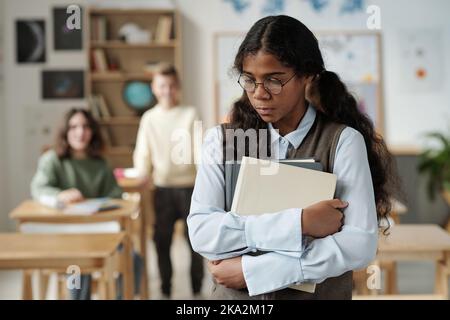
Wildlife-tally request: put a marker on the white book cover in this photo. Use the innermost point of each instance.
(90, 206)
(268, 186)
(265, 186)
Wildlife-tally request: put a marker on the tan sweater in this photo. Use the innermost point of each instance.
(159, 152)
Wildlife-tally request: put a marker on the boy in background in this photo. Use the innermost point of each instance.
(173, 181)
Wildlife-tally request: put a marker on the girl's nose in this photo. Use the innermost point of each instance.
(260, 92)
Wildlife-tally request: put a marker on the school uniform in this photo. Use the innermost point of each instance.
(289, 258)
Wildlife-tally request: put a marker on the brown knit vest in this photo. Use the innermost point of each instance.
(320, 143)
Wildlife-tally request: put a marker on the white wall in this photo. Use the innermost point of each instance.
(407, 115)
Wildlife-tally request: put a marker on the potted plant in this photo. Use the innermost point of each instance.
(435, 163)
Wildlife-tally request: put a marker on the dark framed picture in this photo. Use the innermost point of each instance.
(63, 84)
(66, 36)
(30, 41)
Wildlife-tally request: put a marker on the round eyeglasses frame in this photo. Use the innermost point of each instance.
(264, 83)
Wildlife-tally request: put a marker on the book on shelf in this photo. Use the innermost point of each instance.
(264, 186)
(99, 28)
(100, 61)
(164, 29)
(103, 106)
(93, 107)
(99, 107)
(100, 110)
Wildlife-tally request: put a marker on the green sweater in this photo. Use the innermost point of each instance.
(92, 177)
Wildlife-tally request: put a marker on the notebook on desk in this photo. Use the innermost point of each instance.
(91, 206)
(293, 183)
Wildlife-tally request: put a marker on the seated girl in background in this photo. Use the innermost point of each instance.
(73, 171)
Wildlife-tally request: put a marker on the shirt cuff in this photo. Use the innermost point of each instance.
(51, 200)
(270, 272)
(281, 231)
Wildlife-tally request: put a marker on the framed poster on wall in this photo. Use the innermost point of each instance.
(65, 38)
(354, 55)
(30, 41)
(62, 84)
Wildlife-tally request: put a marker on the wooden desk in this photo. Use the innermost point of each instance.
(140, 185)
(390, 267)
(31, 211)
(419, 242)
(59, 251)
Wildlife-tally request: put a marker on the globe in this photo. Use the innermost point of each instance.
(138, 95)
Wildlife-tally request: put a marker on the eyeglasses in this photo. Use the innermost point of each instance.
(272, 85)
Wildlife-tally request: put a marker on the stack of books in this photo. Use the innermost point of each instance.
(264, 186)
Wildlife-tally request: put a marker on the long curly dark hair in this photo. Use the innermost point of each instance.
(96, 145)
(295, 46)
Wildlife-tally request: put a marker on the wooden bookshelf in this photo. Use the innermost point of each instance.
(113, 62)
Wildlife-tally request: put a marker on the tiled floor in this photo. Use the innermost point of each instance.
(413, 277)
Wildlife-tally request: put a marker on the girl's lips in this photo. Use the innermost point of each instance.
(265, 111)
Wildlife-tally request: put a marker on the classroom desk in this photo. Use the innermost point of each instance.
(90, 252)
(412, 242)
(32, 211)
(390, 267)
(140, 185)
